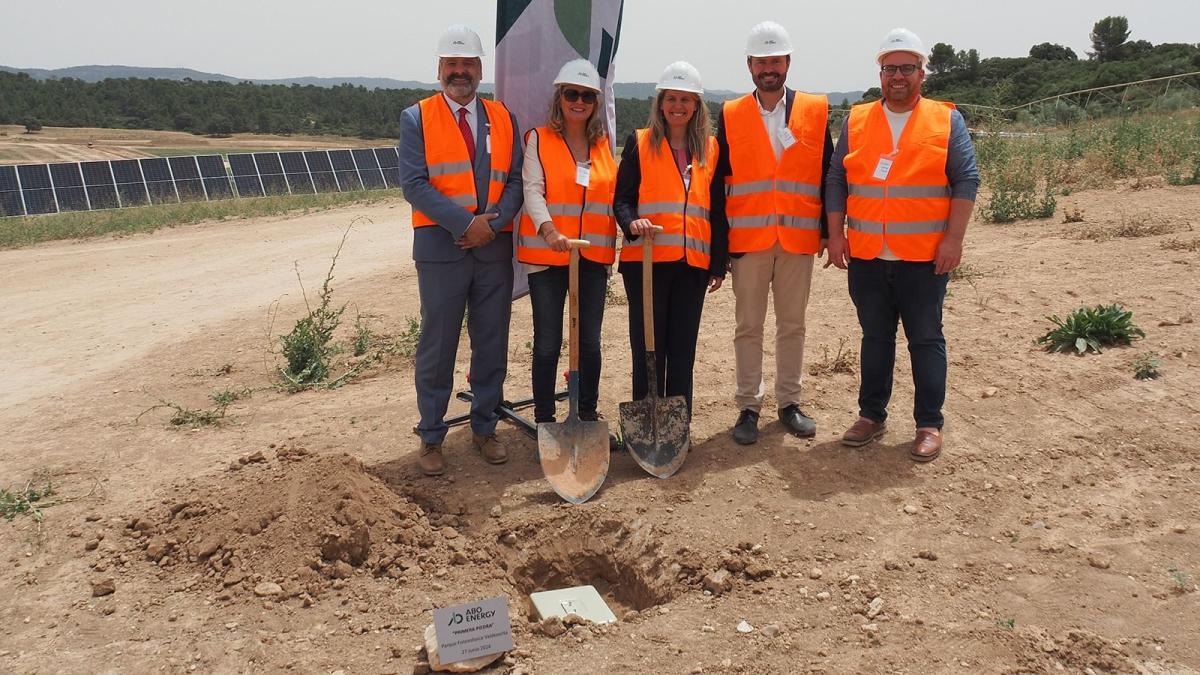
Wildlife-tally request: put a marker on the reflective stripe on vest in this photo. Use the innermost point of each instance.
(771, 200)
(577, 213)
(684, 216)
(450, 169)
(910, 209)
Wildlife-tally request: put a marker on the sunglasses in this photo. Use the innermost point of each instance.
(905, 70)
(573, 95)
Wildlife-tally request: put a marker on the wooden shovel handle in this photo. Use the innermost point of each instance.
(573, 292)
(579, 243)
(648, 289)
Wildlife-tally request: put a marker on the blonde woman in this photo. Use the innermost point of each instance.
(665, 180)
(569, 175)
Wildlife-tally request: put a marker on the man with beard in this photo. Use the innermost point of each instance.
(775, 149)
(460, 166)
(904, 179)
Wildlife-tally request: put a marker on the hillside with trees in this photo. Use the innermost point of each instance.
(961, 76)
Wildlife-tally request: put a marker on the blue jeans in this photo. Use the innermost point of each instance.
(548, 296)
(886, 292)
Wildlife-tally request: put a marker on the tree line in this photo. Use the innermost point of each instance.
(222, 108)
(962, 76)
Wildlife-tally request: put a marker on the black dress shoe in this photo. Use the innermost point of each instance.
(797, 422)
(745, 432)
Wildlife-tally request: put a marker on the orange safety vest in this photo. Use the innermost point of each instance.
(683, 216)
(450, 169)
(909, 209)
(577, 212)
(770, 200)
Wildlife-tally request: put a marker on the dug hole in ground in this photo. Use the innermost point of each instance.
(1059, 529)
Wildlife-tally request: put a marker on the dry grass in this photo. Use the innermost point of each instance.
(1177, 244)
(845, 361)
(1146, 225)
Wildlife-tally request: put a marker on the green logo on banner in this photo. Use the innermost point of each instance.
(575, 21)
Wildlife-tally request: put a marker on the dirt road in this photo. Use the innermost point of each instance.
(1059, 531)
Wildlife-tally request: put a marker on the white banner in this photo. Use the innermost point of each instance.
(534, 38)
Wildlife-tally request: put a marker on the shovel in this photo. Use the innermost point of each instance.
(655, 429)
(574, 453)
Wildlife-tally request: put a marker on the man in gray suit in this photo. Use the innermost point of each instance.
(460, 166)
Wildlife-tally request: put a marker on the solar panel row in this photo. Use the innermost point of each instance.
(34, 189)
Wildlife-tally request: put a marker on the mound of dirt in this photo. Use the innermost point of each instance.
(292, 526)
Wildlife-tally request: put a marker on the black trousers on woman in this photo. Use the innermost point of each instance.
(548, 295)
(678, 302)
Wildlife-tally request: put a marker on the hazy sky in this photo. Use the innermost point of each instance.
(834, 41)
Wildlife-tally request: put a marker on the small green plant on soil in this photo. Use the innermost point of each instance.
(1090, 328)
(309, 348)
(29, 500)
(965, 272)
(1146, 365)
(406, 342)
(1181, 581)
(362, 336)
(1009, 623)
(201, 417)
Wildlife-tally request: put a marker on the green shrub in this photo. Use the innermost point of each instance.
(1146, 365)
(1090, 328)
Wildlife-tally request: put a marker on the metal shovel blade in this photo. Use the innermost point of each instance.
(574, 457)
(656, 429)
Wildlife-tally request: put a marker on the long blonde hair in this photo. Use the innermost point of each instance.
(594, 128)
(699, 128)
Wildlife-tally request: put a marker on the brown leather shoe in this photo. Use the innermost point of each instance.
(491, 449)
(431, 461)
(926, 446)
(862, 432)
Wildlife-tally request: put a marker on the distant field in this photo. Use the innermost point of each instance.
(62, 144)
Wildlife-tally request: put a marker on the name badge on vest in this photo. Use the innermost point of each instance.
(583, 174)
(786, 138)
(883, 168)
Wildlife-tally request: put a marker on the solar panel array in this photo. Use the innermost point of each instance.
(35, 189)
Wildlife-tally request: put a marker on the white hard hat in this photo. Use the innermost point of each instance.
(902, 40)
(681, 76)
(460, 41)
(768, 39)
(580, 72)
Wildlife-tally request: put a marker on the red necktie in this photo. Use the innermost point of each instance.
(466, 132)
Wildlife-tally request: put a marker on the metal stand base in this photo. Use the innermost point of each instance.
(507, 410)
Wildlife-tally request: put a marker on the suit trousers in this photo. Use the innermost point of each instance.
(483, 291)
(787, 278)
(678, 303)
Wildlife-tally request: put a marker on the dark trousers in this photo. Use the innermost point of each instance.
(548, 295)
(887, 291)
(482, 290)
(678, 302)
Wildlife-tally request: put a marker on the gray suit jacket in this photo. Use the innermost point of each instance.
(437, 244)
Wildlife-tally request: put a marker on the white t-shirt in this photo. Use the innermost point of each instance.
(896, 121)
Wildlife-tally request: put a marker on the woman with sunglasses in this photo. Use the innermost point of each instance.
(569, 175)
(665, 181)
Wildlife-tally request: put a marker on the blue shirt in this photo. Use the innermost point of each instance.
(961, 169)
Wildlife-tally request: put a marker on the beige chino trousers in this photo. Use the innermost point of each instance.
(787, 277)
